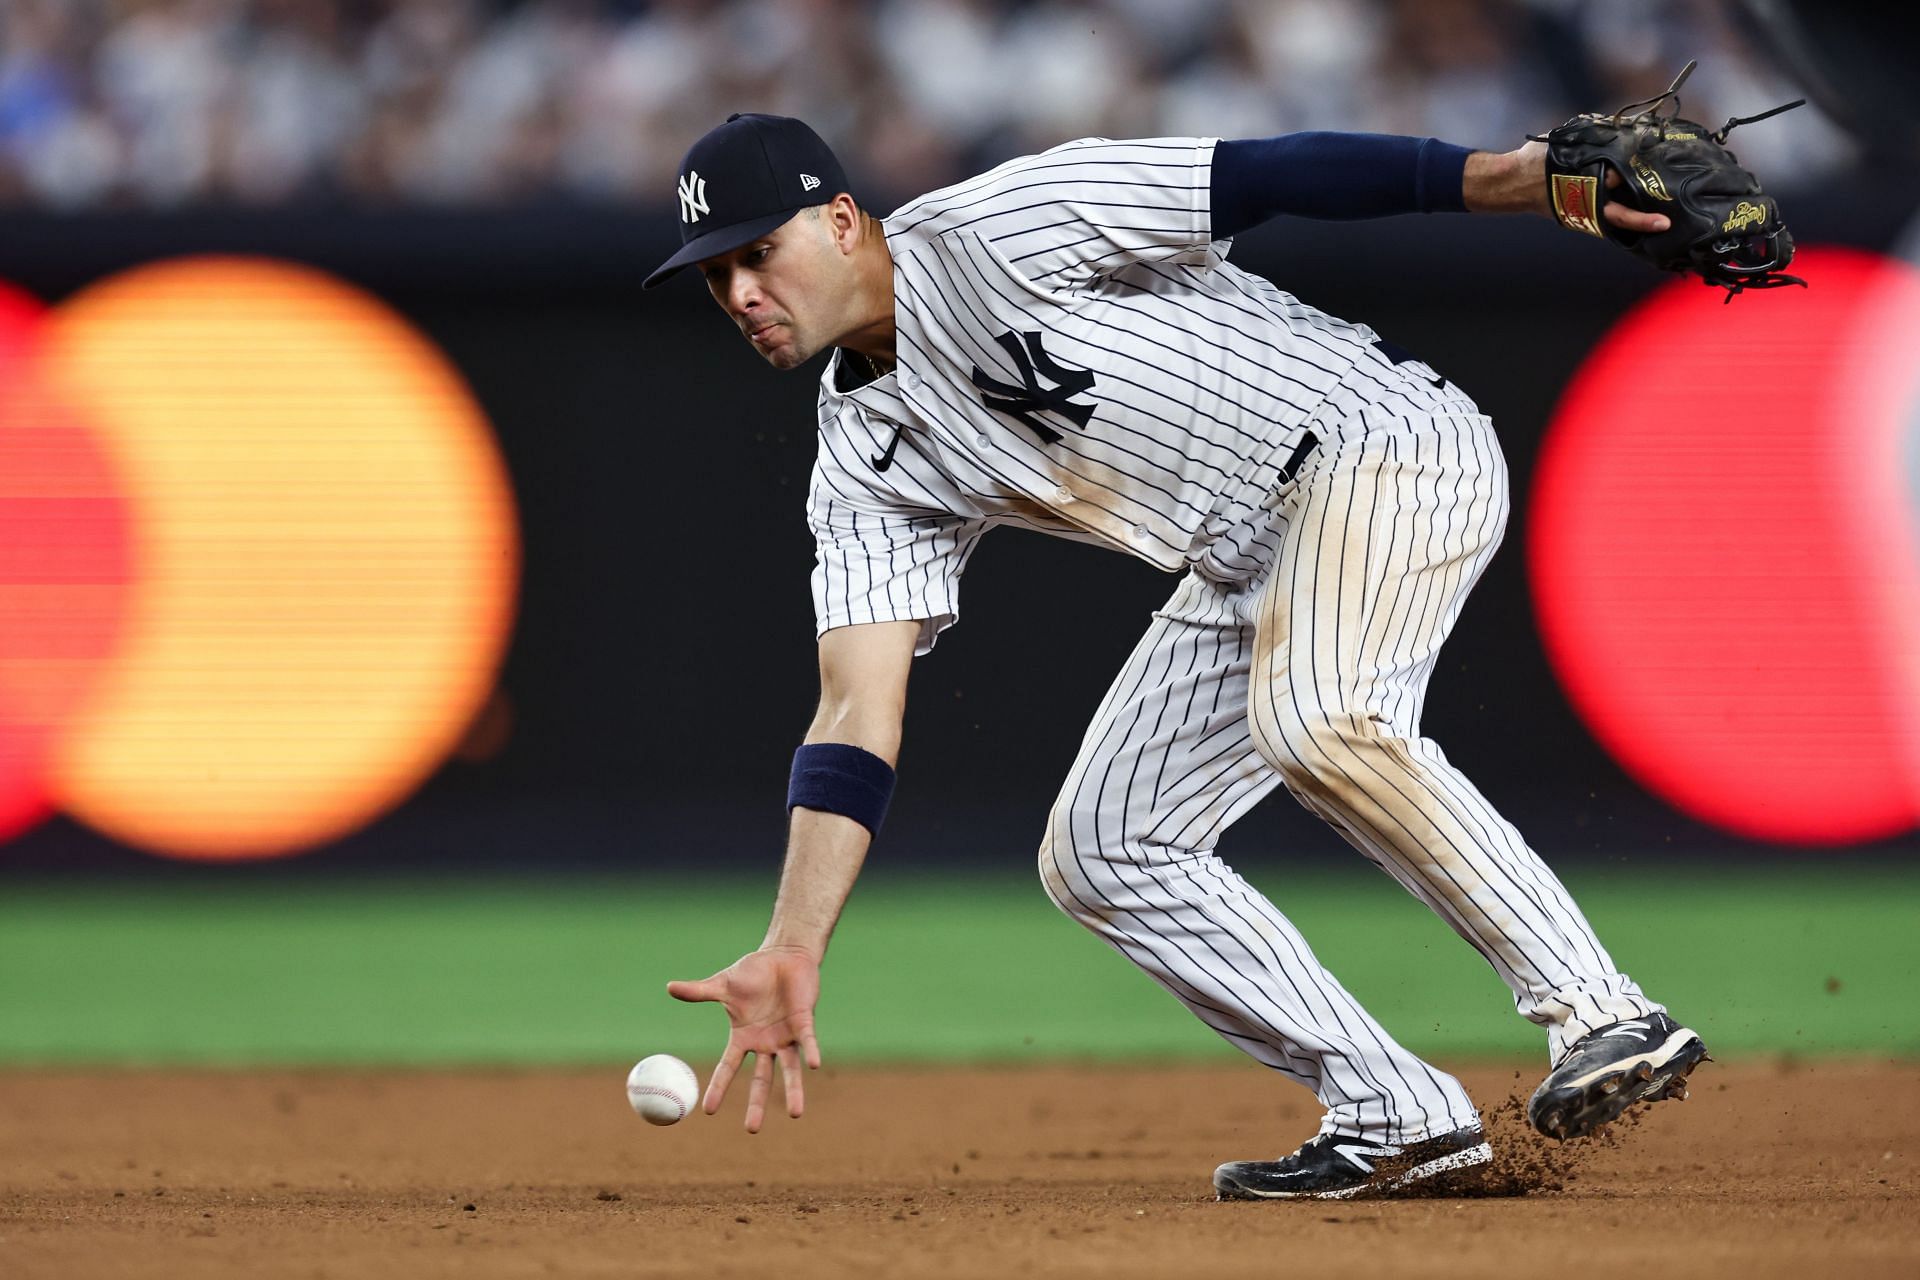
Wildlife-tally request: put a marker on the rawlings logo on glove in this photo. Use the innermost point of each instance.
(1744, 215)
(1723, 229)
(1650, 180)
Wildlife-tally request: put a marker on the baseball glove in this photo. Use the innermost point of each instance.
(1723, 229)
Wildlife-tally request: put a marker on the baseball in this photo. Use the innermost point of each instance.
(662, 1089)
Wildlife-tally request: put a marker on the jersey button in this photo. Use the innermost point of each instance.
(981, 440)
(908, 381)
(1062, 494)
(1140, 533)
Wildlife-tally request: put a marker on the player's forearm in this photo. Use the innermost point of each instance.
(1507, 181)
(842, 779)
(824, 854)
(826, 850)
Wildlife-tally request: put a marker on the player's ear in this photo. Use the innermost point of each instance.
(844, 221)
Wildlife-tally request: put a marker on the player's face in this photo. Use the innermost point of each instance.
(785, 291)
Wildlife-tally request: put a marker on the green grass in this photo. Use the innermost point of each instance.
(570, 971)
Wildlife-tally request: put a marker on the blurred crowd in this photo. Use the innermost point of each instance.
(177, 103)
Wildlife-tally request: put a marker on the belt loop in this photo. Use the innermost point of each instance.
(1298, 456)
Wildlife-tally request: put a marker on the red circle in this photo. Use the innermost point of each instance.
(23, 800)
(65, 566)
(1707, 590)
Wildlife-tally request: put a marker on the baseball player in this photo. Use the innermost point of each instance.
(1060, 344)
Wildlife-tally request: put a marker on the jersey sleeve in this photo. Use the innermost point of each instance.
(888, 568)
(1083, 209)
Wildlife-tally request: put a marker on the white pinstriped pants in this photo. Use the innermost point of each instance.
(1314, 675)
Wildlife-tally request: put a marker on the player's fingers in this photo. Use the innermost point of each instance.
(790, 1076)
(809, 1043)
(757, 1091)
(713, 988)
(1628, 218)
(723, 1076)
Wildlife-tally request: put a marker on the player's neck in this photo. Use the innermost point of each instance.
(875, 345)
(873, 334)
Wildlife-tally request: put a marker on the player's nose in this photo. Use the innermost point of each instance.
(743, 296)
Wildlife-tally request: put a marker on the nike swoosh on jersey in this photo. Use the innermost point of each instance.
(885, 460)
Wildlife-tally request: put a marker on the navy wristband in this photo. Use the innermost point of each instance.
(835, 777)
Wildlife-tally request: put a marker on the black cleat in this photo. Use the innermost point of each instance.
(1638, 1060)
(1332, 1167)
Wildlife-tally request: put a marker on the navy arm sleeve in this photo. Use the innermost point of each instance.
(1333, 175)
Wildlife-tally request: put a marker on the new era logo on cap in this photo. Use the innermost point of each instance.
(744, 179)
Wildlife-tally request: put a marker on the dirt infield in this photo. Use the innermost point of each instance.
(1771, 1170)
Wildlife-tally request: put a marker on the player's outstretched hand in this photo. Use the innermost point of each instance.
(769, 997)
(1617, 213)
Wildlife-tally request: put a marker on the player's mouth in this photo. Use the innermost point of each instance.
(764, 334)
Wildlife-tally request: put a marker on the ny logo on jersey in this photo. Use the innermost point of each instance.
(693, 197)
(1030, 397)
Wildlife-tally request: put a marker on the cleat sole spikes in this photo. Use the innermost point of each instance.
(1609, 1072)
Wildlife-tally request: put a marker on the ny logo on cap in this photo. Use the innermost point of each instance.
(693, 197)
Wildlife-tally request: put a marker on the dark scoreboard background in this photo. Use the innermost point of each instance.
(662, 666)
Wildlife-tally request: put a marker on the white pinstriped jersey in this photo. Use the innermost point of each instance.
(1075, 356)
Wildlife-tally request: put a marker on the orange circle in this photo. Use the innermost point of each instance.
(327, 556)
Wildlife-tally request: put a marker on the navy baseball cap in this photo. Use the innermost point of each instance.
(745, 178)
